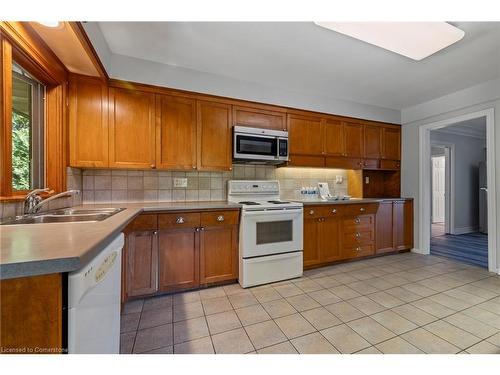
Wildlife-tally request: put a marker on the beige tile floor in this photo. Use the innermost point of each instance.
(404, 303)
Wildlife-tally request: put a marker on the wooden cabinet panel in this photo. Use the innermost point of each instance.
(214, 135)
(143, 222)
(329, 239)
(218, 254)
(88, 122)
(353, 138)
(306, 161)
(343, 162)
(175, 132)
(220, 218)
(141, 263)
(371, 164)
(403, 224)
(384, 228)
(179, 220)
(131, 129)
(311, 254)
(372, 141)
(390, 164)
(259, 118)
(391, 143)
(31, 313)
(305, 135)
(334, 137)
(178, 259)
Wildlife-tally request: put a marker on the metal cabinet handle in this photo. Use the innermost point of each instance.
(180, 220)
(311, 212)
(357, 220)
(202, 228)
(334, 211)
(362, 209)
(220, 218)
(358, 249)
(358, 234)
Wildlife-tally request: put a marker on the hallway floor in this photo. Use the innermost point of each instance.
(471, 248)
(404, 303)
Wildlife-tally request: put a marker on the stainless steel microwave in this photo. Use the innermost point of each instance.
(263, 146)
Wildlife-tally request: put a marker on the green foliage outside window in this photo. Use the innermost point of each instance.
(21, 153)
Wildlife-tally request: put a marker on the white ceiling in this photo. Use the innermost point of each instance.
(475, 128)
(302, 56)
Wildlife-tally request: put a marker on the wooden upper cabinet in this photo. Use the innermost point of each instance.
(175, 132)
(334, 137)
(305, 135)
(214, 135)
(373, 141)
(131, 129)
(353, 138)
(259, 118)
(88, 122)
(391, 143)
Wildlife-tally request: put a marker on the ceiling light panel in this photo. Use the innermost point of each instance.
(416, 40)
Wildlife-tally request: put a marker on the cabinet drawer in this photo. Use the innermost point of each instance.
(179, 220)
(359, 251)
(370, 164)
(313, 212)
(390, 164)
(359, 237)
(219, 218)
(360, 209)
(358, 222)
(344, 163)
(306, 161)
(144, 222)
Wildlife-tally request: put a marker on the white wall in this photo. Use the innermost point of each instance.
(468, 153)
(143, 71)
(476, 98)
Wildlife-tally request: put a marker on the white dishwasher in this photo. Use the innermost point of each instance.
(94, 303)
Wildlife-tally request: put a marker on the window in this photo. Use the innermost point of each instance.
(27, 131)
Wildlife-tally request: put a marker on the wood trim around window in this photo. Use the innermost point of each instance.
(6, 118)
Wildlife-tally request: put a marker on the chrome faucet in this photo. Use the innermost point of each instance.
(33, 202)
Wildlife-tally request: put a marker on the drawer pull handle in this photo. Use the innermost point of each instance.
(311, 212)
(358, 234)
(180, 220)
(357, 220)
(358, 249)
(362, 209)
(220, 218)
(334, 211)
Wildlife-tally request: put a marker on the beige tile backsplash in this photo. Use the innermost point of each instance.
(120, 186)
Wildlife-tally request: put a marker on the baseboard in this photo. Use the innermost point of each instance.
(418, 251)
(464, 230)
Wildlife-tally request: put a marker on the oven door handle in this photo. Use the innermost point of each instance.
(273, 212)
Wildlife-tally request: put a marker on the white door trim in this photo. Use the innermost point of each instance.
(425, 176)
(449, 150)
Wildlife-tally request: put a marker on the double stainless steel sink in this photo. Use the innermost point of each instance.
(66, 215)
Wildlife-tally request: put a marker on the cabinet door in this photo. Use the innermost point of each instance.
(175, 132)
(131, 129)
(259, 118)
(391, 143)
(88, 122)
(141, 263)
(218, 254)
(329, 239)
(214, 136)
(373, 141)
(353, 138)
(311, 253)
(305, 135)
(334, 137)
(403, 224)
(178, 259)
(384, 228)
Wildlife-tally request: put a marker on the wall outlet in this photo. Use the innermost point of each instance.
(180, 182)
(367, 180)
(339, 179)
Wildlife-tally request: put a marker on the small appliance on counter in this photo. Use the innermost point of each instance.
(324, 193)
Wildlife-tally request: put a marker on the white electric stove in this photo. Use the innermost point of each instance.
(271, 241)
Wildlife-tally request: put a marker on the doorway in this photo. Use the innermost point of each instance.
(458, 236)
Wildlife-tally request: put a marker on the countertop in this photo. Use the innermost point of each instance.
(350, 201)
(38, 249)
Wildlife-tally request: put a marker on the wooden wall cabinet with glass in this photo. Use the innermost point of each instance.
(168, 252)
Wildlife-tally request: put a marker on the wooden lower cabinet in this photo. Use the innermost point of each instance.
(178, 255)
(311, 255)
(178, 251)
(329, 249)
(394, 226)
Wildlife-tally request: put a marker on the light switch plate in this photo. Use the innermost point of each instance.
(180, 182)
(367, 180)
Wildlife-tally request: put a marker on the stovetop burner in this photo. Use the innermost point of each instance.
(278, 202)
(249, 203)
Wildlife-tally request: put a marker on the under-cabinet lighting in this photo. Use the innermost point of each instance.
(49, 23)
(416, 40)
